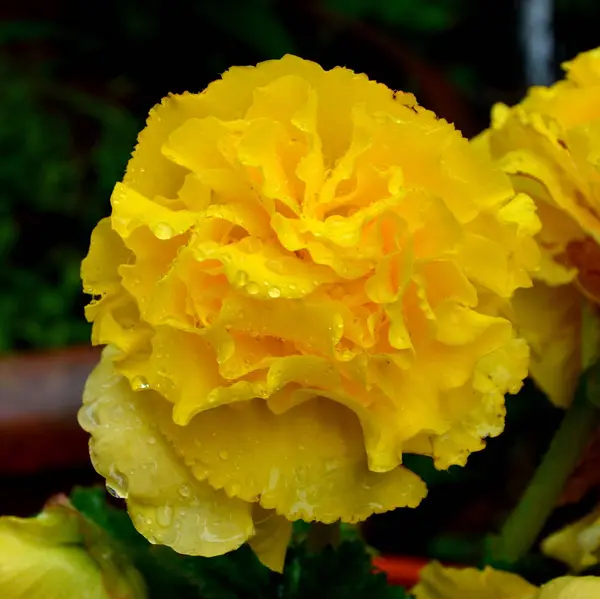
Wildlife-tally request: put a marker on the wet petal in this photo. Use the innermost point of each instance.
(306, 463)
(166, 503)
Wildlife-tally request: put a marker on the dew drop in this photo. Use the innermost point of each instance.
(87, 418)
(139, 383)
(163, 231)
(164, 516)
(241, 278)
(185, 491)
(224, 455)
(112, 491)
(117, 484)
(276, 266)
(274, 292)
(252, 288)
(151, 440)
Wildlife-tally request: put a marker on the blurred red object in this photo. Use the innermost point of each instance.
(39, 397)
(400, 570)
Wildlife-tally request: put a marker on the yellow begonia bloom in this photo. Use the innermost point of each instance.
(299, 282)
(578, 544)
(438, 582)
(61, 555)
(549, 145)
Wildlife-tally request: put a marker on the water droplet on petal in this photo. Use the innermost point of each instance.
(223, 454)
(241, 278)
(117, 484)
(276, 266)
(139, 383)
(252, 288)
(185, 491)
(151, 440)
(164, 515)
(274, 292)
(163, 231)
(87, 418)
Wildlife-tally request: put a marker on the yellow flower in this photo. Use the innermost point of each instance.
(60, 555)
(578, 544)
(549, 145)
(299, 282)
(438, 582)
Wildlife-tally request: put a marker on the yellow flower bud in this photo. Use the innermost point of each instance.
(61, 555)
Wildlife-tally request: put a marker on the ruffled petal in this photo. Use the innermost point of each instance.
(307, 463)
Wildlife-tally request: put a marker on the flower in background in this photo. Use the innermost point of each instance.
(439, 582)
(299, 283)
(578, 544)
(549, 145)
(60, 554)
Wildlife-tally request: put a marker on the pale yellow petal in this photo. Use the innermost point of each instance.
(577, 544)
(166, 503)
(271, 539)
(569, 587)
(439, 582)
(549, 318)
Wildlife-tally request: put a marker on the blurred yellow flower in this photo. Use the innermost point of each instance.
(438, 582)
(578, 544)
(299, 282)
(60, 555)
(549, 145)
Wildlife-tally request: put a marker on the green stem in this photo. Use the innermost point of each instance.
(525, 523)
(321, 535)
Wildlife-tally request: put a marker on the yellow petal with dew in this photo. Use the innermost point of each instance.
(307, 463)
(166, 503)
